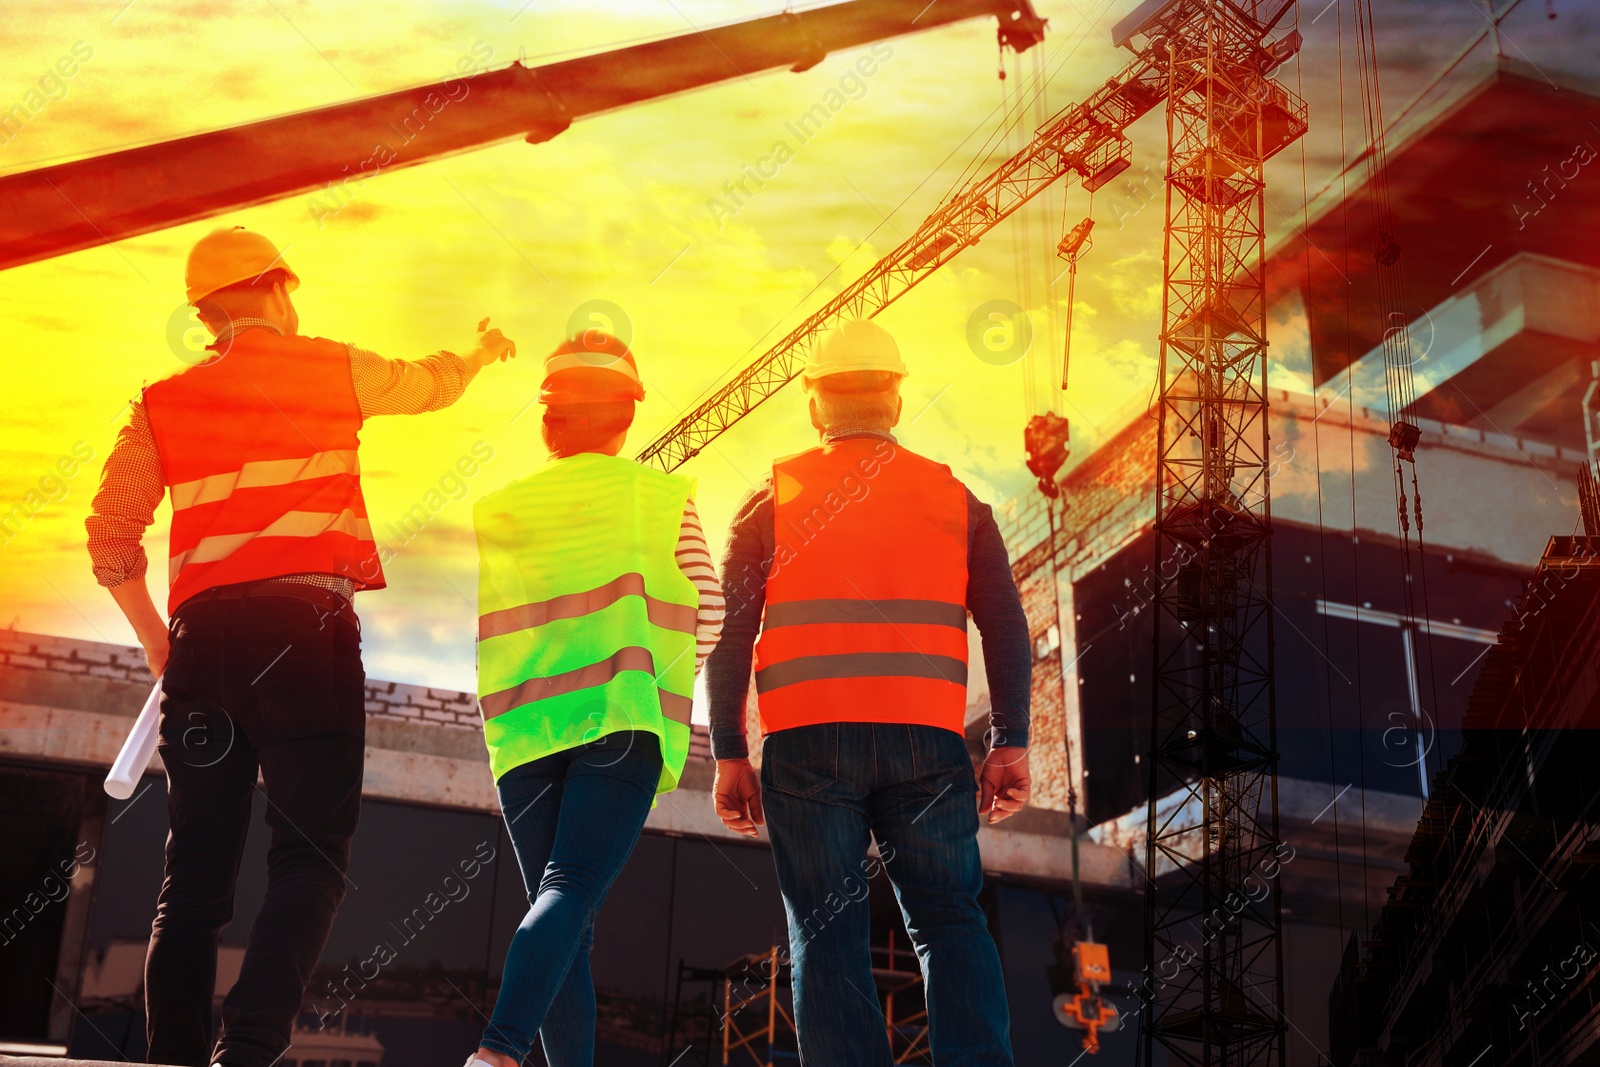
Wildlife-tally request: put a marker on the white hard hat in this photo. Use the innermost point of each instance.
(858, 345)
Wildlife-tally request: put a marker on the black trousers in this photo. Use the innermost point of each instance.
(271, 683)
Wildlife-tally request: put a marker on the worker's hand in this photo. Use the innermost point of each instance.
(133, 597)
(737, 795)
(157, 647)
(491, 345)
(1004, 784)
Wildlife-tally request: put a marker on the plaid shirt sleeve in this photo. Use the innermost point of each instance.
(406, 387)
(131, 486)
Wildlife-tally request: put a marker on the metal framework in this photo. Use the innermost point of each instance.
(905, 1004)
(1214, 738)
(1213, 946)
(759, 1041)
(759, 1025)
(1084, 139)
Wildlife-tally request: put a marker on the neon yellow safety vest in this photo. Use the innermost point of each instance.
(586, 625)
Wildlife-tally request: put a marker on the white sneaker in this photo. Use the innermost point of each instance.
(474, 1061)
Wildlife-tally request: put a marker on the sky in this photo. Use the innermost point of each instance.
(626, 212)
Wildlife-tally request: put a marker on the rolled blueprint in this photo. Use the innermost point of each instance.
(137, 749)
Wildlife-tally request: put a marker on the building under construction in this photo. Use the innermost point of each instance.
(1372, 697)
(1487, 944)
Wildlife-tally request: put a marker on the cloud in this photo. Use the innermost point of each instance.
(614, 209)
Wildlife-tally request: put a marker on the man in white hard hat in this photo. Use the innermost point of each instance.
(857, 564)
(257, 447)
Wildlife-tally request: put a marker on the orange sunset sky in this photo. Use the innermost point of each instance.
(618, 208)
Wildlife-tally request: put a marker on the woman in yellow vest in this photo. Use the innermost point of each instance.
(597, 603)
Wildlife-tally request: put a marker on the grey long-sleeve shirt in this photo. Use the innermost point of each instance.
(992, 599)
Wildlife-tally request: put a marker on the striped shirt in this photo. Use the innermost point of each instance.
(694, 559)
(133, 483)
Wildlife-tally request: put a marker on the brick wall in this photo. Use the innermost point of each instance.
(417, 703)
(1105, 500)
(66, 657)
(123, 663)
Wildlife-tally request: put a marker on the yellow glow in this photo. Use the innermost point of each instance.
(617, 208)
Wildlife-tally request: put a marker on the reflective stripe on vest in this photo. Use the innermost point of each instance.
(294, 524)
(673, 706)
(257, 473)
(259, 448)
(865, 617)
(586, 623)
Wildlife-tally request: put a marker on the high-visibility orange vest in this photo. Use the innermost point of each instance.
(259, 449)
(866, 617)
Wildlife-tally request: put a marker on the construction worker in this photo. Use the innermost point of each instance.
(597, 604)
(261, 659)
(857, 563)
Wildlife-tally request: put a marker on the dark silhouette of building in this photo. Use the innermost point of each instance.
(1488, 951)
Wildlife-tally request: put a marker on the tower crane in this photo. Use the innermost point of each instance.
(84, 203)
(1084, 139)
(1213, 729)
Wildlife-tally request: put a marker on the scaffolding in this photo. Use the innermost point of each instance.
(905, 1006)
(773, 1019)
(749, 1019)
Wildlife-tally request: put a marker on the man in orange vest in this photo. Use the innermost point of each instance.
(857, 564)
(261, 660)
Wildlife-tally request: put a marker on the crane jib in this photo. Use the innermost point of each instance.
(1085, 139)
(85, 203)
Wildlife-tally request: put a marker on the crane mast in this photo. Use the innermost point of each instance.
(1085, 139)
(1212, 826)
(1212, 991)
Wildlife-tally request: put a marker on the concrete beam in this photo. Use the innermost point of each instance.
(90, 202)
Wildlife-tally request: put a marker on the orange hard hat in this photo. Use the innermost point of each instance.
(230, 255)
(590, 367)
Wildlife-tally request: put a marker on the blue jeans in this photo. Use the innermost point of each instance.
(827, 789)
(573, 818)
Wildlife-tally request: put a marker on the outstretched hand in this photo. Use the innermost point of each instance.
(490, 346)
(1004, 784)
(736, 792)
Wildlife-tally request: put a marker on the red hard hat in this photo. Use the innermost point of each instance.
(591, 367)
